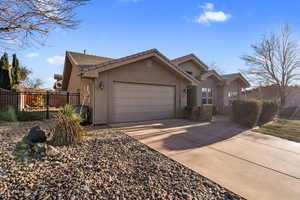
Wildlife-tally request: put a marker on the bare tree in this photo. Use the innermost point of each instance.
(22, 21)
(214, 66)
(33, 83)
(275, 61)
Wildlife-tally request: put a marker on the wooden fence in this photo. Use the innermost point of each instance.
(42, 104)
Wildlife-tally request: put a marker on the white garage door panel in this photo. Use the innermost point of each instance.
(137, 102)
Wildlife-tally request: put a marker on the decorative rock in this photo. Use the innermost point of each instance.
(39, 149)
(43, 149)
(36, 135)
(52, 151)
(107, 166)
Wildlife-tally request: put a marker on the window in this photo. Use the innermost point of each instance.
(207, 96)
(232, 94)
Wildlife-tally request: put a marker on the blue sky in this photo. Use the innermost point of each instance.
(216, 31)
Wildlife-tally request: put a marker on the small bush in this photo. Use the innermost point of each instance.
(27, 116)
(215, 110)
(9, 115)
(246, 112)
(206, 113)
(268, 112)
(67, 129)
(287, 112)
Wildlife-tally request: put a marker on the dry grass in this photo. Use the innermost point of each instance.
(286, 129)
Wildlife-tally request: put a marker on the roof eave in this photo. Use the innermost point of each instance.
(95, 72)
(190, 57)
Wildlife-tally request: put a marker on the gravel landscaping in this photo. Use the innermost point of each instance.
(107, 165)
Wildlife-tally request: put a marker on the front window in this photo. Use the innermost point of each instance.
(232, 94)
(207, 96)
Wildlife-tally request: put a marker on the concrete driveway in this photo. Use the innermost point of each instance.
(253, 165)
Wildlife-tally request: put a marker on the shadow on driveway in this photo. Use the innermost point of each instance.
(183, 134)
(218, 130)
(195, 137)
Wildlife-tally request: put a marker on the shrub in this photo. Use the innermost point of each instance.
(215, 110)
(28, 116)
(9, 115)
(287, 112)
(67, 129)
(246, 112)
(268, 112)
(83, 111)
(206, 113)
(70, 111)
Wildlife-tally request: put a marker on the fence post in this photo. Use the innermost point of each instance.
(68, 97)
(17, 106)
(47, 104)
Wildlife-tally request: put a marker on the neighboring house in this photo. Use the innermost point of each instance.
(271, 92)
(58, 83)
(146, 86)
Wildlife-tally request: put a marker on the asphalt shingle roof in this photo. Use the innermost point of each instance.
(85, 59)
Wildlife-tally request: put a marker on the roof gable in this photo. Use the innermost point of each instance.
(93, 71)
(193, 58)
(81, 59)
(236, 76)
(212, 73)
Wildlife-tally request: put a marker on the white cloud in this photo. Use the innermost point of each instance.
(209, 15)
(56, 60)
(32, 54)
(208, 6)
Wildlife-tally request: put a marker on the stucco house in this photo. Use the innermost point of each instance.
(146, 85)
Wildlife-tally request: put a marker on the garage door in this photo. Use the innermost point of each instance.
(138, 102)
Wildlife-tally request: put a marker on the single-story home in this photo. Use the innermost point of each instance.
(147, 85)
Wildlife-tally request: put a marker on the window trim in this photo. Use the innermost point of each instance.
(232, 94)
(207, 97)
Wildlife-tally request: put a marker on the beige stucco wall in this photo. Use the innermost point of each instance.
(87, 89)
(192, 67)
(220, 93)
(220, 98)
(234, 86)
(75, 80)
(146, 71)
(208, 83)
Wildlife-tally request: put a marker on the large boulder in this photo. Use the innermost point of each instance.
(36, 135)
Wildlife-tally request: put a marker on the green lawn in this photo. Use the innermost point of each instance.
(286, 129)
